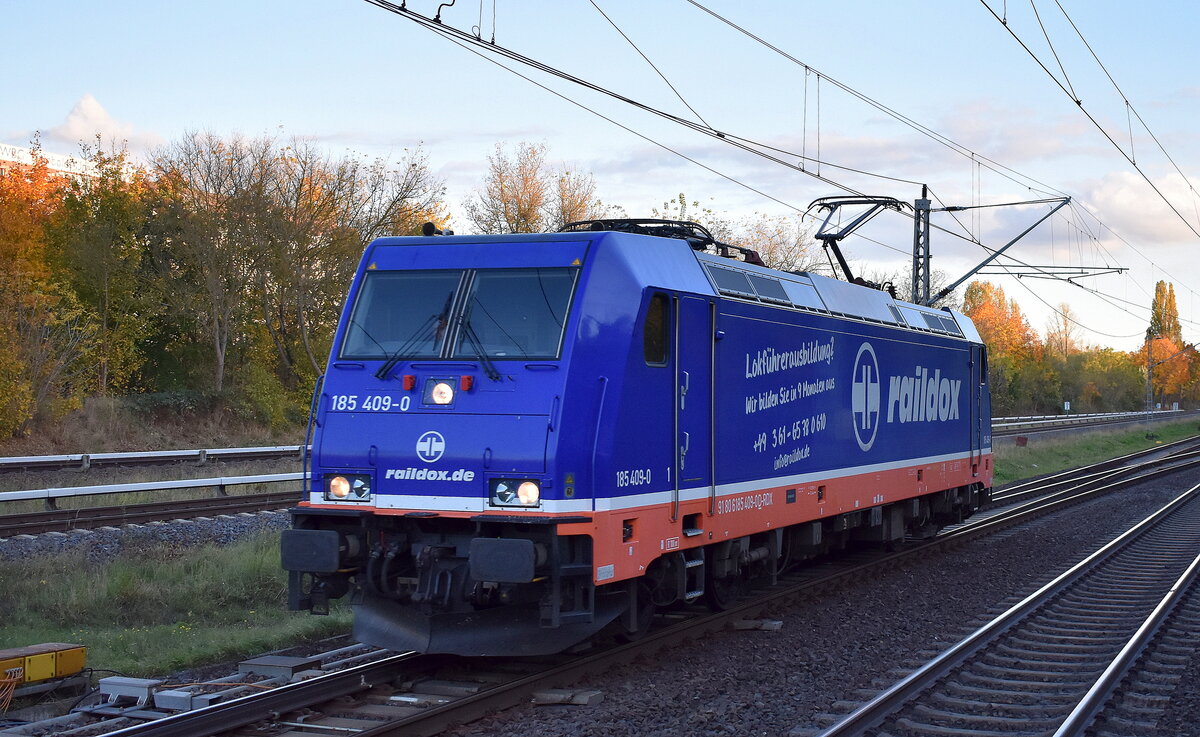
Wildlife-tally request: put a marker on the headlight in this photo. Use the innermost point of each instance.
(529, 493)
(339, 487)
(439, 392)
(349, 487)
(516, 492)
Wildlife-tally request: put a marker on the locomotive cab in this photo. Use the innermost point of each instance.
(443, 470)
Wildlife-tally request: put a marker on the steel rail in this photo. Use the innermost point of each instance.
(1182, 454)
(435, 718)
(85, 518)
(1101, 465)
(235, 713)
(84, 461)
(1092, 704)
(878, 709)
(1066, 422)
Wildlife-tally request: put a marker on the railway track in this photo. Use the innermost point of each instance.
(87, 518)
(1053, 662)
(1004, 427)
(421, 695)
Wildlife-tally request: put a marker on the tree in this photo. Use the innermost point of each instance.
(572, 199)
(521, 194)
(211, 222)
(41, 336)
(999, 320)
(1111, 381)
(515, 192)
(1021, 379)
(1173, 371)
(783, 242)
(96, 245)
(1164, 315)
(1062, 332)
(256, 242)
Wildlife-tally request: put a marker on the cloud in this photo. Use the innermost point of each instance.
(1132, 208)
(89, 119)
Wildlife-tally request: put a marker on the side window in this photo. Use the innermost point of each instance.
(654, 331)
(983, 367)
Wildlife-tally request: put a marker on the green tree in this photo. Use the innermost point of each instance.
(256, 241)
(96, 247)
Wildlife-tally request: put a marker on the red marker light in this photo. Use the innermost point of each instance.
(410, 382)
(466, 382)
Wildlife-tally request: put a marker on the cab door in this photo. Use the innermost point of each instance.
(977, 400)
(694, 358)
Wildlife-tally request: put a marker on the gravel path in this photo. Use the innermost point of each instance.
(835, 643)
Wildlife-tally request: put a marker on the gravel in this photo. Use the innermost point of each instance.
(840, 644)
(107, 542)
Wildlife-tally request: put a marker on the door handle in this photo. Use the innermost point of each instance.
(683, 387)
(683, 450)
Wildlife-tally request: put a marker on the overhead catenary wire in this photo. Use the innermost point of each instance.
(746, 144)
(626, 128)
(466, 41)
(1130, 109)
(657, 71)
(995, 167)
(1094, 122)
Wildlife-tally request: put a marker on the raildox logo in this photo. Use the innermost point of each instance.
(431, 446)
(864, 396)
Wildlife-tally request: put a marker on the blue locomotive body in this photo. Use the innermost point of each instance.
(522, 439)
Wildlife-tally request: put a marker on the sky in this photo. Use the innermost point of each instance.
(357, 79)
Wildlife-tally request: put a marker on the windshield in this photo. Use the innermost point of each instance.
(516, 313)
(401, 313)
(506, 313)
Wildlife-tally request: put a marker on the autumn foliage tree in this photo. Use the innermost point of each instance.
(1021, 381)
(255, 241)
(43, 330)
(522, 194)
(214, 275)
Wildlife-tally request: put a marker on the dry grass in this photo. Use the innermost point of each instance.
(109, 425)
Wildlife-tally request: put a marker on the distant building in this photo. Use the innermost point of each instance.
(17, 158)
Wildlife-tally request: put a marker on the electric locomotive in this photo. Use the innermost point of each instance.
(521, 440)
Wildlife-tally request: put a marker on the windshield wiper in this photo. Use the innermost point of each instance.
(422, 331)
(489, 368)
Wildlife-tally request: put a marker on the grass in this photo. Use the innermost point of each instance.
(155, 611)
(1058, 454)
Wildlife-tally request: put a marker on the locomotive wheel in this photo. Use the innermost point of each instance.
(643, 616)
(721, 592)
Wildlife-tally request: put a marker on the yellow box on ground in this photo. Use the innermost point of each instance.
(42, 662)
(39, 667)
(70, 661)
